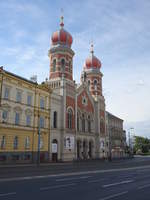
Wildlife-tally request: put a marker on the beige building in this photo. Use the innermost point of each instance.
(24, 111)
(116, 136)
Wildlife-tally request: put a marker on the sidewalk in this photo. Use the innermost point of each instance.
(11, 165)
(33, 164)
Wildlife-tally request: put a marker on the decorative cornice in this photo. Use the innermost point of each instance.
(61, 48)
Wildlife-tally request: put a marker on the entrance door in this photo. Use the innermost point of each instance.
(54, 150)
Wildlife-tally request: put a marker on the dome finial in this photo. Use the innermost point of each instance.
(92, 48)
(62, 19)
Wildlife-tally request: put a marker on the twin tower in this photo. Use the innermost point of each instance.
(77, 110)
(61, 62)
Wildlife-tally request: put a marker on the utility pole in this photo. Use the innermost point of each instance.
(130, 146)
(109, 142)
(129, 142)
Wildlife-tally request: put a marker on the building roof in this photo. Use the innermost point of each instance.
(114, 116)
(17, 76)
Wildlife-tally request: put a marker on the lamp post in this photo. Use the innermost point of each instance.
(129, 138)
(109, 143)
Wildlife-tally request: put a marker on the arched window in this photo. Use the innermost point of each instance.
(28, 120)
(2, 141)
(54, 65)
(55, 119)
(83, 123)
(89, 83)
(69, 66)
(63, 64)
(42, 103)
(5, 115)
(102, 126)
(95, 84)
(77, 121)
(16, 142)
(41, 122)
(41, 142)
(17, 118)
(102, 144)
(70, 115)
(27, 142)
(89, 124)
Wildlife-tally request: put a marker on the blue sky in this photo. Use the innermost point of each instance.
(120, 31)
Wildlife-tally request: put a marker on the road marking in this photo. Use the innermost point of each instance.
(73, 178)
(98, 180)
(114, 195)
(118, 183)
(143, 186)
(7, 194)
(57, 186)
(71, 174)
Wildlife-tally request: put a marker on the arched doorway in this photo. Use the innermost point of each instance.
(54, 150)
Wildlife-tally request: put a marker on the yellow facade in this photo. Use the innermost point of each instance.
(19, 141)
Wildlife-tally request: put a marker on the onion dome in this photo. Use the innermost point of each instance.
(61, 36)
(92, 62)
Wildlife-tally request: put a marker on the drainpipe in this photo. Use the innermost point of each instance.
(75, 143)
(1, 69)
(49, 119)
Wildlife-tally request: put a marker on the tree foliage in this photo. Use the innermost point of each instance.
(142, 144)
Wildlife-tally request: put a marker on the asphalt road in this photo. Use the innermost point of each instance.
(116, 182)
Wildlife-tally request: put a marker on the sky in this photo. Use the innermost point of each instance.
(120, 31)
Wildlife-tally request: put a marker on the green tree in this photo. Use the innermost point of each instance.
(142, 144)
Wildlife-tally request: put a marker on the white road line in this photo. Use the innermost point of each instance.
(118, 183)
(143, 186)
(71, 174)
(57, 186)
(7, 194)
(114, 195)
(73, 178)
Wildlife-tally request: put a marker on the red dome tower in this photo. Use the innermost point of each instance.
(92, 62)
(61, 54)
(91, 73)
(62, 36)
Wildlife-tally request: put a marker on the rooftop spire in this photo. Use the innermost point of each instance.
(92, 48)
(61, 19)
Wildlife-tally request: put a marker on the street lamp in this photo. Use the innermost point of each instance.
(129, 138)
(110, 129)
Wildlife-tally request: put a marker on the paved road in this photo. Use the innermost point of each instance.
(132, 182)
(44, 169)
